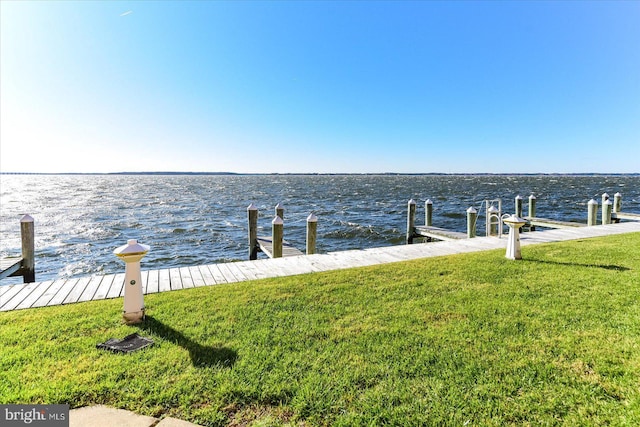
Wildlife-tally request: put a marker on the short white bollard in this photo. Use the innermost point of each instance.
(513, 245)
(131, 254)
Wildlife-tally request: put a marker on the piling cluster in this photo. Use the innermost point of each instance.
(611, 213)
(277, 242)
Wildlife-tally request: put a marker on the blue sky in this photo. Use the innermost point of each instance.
(335, 87)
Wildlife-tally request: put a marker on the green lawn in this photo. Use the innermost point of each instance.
(473, 339)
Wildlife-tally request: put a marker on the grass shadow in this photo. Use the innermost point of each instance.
(201, 356)
(576, 264)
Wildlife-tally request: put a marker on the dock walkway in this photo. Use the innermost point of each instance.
(66, 291)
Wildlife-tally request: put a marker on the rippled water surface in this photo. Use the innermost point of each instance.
(201, 219)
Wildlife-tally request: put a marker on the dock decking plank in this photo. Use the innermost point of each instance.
(117, 286)
(217, 274)
(48, 295)
(229, 277)
(35, 295)
(77, 290)
(164, 280)
(20, 296)
(206, 275)
(196, 275)
(238, 273)
(175, 278)
(152, 281)
(105, 285)
(144, 276)
(11, 291)
(185, 277)
(91, 288)
(62, 293)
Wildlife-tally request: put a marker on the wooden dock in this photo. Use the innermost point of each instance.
(67, 291)
(437, 233)
(10, 267)
(625, 215)
(551, 223)
(266, 246)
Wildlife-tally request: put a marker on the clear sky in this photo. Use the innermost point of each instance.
(312, 86)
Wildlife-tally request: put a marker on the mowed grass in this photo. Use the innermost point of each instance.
(473, 339)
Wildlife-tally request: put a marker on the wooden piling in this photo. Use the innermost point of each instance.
(312, 231)
(252, 211)
(606, 211)
(28, 249)
(617, 207)
(518, 205)
(617, 203)
(532, 210)
(472, 217)
(277, 231)
(411, 220)
(428, 216)
(592, 215)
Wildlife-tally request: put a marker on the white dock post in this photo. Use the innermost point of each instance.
(27, 236)
(411, 220)
(592, 215)
(428, 216)
(518, 205)
(312, 231)
(617, 203)
(472, 217)
(131, 254)
(606, 212)
(280, 211)
(277, 226)
(605, 197)
(252, 210)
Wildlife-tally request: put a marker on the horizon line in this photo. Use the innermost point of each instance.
(323, 173)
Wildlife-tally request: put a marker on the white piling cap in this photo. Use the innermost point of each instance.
(492, 209)
(312, 218)
(617, 194)
(428, 202)
(252, 207)
(412, 202)
(605, 195)
(277, 220)
(532, 197)
(592, 202)
(26, 218)
(518, 197)
(472, 210)
(279, 206)
(607, 202)
(131, 248)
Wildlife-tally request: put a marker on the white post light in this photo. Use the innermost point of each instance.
(513, 245)
(131, 254)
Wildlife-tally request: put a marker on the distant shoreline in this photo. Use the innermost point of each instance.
(165, 173)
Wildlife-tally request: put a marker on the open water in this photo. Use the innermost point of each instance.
(201, 219)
